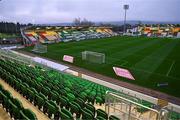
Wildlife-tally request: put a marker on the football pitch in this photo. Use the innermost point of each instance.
(151, 61)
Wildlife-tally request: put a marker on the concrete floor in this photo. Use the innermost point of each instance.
(4, 115)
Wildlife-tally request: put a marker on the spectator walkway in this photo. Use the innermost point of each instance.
(4, 115)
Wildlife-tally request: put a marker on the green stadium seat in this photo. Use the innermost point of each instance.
(10, 80)
(75, 108)
(87, 91)
(1, 89)
(23, 89)
(13, 78)
(50, 108)
(50, 85)
(63, 116)
(91, 97)
(13, 110)
(31, 94)
(23, 116)
(70, 97)
(46, 91)
(55, 88)
(3, 99)
(83, 95)
(38, 87)
(67, 90)
(62, 92)
(28, 81)
(67, 112)
(112, 117)
(17, 84)
(27, 114)
(87, 115)
(102, 113)
(7, 93)
(99, 100)
(54, 96)
(100, 118)
(17, 103)
(174, 116)
(80, 102)
(6, 96)
(40, 100)
(91, 108)
(64, 102)
(33, 83)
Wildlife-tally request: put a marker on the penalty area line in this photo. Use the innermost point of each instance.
(124, 63)
(170, 68)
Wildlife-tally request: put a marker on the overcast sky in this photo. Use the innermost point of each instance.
(58, 11)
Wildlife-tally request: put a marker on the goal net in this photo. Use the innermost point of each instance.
(93, 57)
(39, 48)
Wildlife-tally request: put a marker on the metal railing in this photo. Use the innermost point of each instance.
(128, 109)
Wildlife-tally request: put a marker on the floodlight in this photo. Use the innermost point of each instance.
(126, 7)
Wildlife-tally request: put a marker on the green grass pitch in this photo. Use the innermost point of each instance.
(150, 60)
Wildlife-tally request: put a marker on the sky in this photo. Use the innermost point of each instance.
(62, 11)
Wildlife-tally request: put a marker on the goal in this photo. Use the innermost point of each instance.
(93, 57)
(39, 48)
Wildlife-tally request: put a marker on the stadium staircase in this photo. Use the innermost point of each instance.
(27, 40)
(3, 114)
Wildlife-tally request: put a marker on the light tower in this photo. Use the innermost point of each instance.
(126, 7)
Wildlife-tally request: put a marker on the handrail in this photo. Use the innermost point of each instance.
(130, 101)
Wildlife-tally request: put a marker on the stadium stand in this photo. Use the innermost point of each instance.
(48, 37)
(68, 34)
(59, 95)
(31, 36)
(44, 37)
(67, 94)
(77, 35)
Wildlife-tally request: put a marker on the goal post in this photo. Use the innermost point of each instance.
(93, 57)
(39, 48)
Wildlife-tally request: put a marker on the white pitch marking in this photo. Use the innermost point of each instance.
(125, 62)
(170, 68)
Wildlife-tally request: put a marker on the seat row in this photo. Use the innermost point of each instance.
(61, 104)
(51, 102)
(87, 90)
(14, 107)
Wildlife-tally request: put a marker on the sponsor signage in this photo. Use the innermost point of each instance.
(68, 58)
(123, 73)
